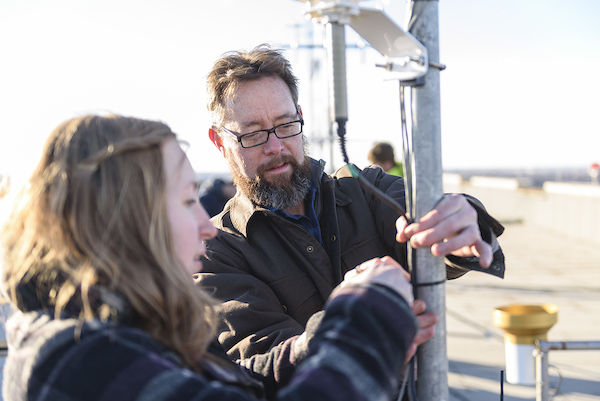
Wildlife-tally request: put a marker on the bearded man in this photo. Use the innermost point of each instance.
(292, 231)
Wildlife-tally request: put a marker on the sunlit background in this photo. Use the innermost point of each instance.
(520, 89)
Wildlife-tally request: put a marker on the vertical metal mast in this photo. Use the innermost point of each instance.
(407, 58)
(432, 360)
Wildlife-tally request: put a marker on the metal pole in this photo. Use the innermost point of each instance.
(542, 381)
(336, 43)
(432, 360)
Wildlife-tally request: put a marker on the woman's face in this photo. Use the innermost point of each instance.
(189, 222)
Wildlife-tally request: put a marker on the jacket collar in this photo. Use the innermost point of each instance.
(240, 210)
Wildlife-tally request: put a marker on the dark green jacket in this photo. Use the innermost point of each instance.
(272, 275)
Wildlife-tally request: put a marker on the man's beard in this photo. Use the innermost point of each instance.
(283, 192)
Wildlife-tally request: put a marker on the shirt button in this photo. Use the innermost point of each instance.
(333, 238)
(284, 308)
(310, 249)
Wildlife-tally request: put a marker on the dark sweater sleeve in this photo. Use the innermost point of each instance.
(355, 327)
(360, 345)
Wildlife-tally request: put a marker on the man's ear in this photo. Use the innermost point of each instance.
(216, 139)
(300, 111)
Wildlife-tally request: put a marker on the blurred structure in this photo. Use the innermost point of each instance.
(593, 171)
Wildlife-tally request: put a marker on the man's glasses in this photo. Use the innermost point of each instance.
(256, 138)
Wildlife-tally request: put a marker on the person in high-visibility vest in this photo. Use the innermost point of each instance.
(382, 155)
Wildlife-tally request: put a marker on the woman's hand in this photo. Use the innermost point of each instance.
(385, 271)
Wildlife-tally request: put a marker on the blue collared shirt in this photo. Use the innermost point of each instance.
(310, 221)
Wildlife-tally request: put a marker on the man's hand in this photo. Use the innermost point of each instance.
(426, 331)
(450, 228)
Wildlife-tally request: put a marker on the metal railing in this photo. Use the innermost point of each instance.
(542, 377)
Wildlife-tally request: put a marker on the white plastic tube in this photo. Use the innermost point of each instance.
(520, 363)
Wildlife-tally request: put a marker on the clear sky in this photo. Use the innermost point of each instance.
(520, 89)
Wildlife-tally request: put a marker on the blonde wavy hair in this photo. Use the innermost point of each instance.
(93, 218)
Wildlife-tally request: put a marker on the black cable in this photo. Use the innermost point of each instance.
(408, 161)
(341, 127)
(379, 194)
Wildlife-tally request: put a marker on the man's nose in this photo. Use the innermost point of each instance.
(274, 145)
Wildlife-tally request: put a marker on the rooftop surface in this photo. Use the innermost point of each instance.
(541, 267)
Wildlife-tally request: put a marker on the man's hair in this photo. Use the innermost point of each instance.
(381, 152)
(237, 67)
(93, 221)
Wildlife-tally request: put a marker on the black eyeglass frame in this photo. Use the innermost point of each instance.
(270, 131)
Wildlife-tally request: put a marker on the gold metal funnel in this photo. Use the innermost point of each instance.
(523, 324)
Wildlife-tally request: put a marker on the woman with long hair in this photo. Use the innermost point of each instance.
(99, 254)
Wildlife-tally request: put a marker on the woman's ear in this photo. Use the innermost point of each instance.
(216, 139)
